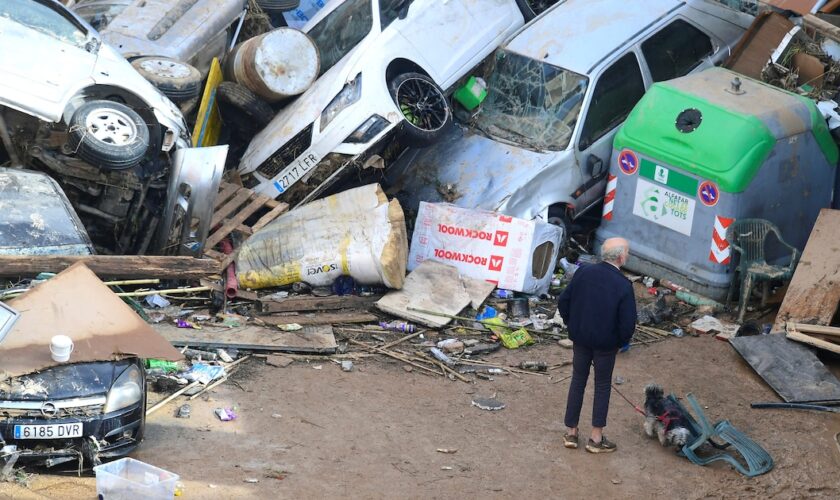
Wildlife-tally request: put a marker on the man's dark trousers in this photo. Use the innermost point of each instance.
(604, 361)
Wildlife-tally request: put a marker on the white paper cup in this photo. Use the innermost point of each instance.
(60, 347)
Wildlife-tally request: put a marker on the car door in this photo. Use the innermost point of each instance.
(450, 36)
(616, 91)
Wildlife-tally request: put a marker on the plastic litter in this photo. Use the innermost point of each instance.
(130, 478)
(225, 414)
(398, 326)
(204, 373)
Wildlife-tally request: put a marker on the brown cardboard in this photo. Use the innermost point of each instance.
(811, 69)
(801, 7)
(77, 304)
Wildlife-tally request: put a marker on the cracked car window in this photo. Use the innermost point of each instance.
(43, 19)
(531, 103)
(100, 14)
(341, 30)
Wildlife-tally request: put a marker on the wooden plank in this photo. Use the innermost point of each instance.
(224, 195)
(310, 303)
(812, 341)
(112, 266)
(824, 330)
(213, 254)
(814, 292)
(270, 216)
(230, 225)
(320, 318)
(230, 207)
(312, 339)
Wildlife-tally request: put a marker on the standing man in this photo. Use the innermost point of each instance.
(600, 310)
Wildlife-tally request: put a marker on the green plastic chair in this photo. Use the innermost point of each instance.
(748, 238)
(754, 460)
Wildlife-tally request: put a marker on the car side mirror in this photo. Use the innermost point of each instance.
(594, 166)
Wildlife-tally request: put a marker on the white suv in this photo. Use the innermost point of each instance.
(384, 63)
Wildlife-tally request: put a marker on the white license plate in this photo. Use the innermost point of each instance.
(48, 431)
(293, 172)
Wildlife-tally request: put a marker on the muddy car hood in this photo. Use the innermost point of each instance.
(78, 380)
(470, 171)
(301, 112)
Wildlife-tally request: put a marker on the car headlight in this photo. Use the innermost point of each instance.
(351, 93)
(368, 130)
(126, 391)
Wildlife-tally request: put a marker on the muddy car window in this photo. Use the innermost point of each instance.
(341, 30)
(617, 91)
(389, 10)
(676, 50)
(531, 103)
(43, 19)
(100, 14)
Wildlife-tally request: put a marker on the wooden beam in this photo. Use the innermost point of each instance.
(111, 266)
(824, 330)
(320, 319)
(309, 303)
(807, 339)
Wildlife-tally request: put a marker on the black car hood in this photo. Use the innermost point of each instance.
(64, 382)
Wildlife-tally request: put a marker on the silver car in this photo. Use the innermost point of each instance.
(559, 90)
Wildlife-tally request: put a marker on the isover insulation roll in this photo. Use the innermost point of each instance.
(357, 233)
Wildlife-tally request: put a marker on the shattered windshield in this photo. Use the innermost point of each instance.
(531, 103)
(44, 19)
(341, 30)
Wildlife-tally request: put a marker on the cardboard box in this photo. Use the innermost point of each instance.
(513, 254)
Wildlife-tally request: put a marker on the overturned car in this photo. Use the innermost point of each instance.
(73, 107)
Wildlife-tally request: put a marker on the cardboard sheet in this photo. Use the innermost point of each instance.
(77, 304)
(437, 287)
(311, 339)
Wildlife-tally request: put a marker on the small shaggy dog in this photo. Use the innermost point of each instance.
(664, 419)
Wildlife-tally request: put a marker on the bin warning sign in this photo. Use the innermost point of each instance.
(664, 207)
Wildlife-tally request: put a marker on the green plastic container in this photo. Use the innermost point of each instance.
(472, 93)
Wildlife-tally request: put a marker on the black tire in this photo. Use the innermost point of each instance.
(242, 108)
(557, 215)
(177, 80)
(424, 122)
(278, 5)
(532, 8)
(108, 135)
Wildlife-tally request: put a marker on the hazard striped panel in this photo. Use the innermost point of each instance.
(720, 253)
(609, 198)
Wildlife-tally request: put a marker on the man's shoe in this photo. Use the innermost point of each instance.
(570, 441)
(605, 446)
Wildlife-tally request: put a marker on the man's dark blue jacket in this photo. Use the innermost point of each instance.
(599, 307)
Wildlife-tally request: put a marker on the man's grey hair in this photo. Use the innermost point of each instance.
(614, 253)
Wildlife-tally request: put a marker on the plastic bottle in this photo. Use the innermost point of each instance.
(503, 294)
(534, 366)
(398, 326)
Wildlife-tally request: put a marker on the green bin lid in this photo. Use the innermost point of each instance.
(702, 124)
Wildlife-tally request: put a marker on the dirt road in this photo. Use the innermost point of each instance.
(304, 432)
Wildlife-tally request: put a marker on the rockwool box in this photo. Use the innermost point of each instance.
(513, 254)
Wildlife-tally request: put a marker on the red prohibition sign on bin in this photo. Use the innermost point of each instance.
(628, 162)
(709, 193)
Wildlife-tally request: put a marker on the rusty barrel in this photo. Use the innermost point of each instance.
(279, 64)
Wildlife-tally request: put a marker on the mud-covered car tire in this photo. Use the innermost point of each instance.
(177, 80)
(108, 135)
(425, 109)
(532, 8)
(242, 108)
(278, 5)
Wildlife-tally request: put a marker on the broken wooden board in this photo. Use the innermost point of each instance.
(311, 303)
(111, 266)
(791, 369)
(434, 286)
(311, 339)
(813, 341)
(319, 318)
(814, 291)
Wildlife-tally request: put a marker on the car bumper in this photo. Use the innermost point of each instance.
(104, 436)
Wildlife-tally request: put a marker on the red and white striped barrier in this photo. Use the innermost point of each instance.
(720, 253)
(609, 198)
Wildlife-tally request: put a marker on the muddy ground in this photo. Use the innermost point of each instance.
(304, 432)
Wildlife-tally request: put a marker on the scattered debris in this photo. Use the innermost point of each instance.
(490, 404)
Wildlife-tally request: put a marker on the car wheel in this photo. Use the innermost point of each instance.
(242, 108)
(532, 8)
(557, 216)
(177, 80)
(108, 135)
(278, 5)
(424, 107)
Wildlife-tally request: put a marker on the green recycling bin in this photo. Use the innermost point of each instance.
(699, 152)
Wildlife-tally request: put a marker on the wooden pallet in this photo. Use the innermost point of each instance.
(234, 205)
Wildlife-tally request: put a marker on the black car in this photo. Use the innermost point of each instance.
(84, 412)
